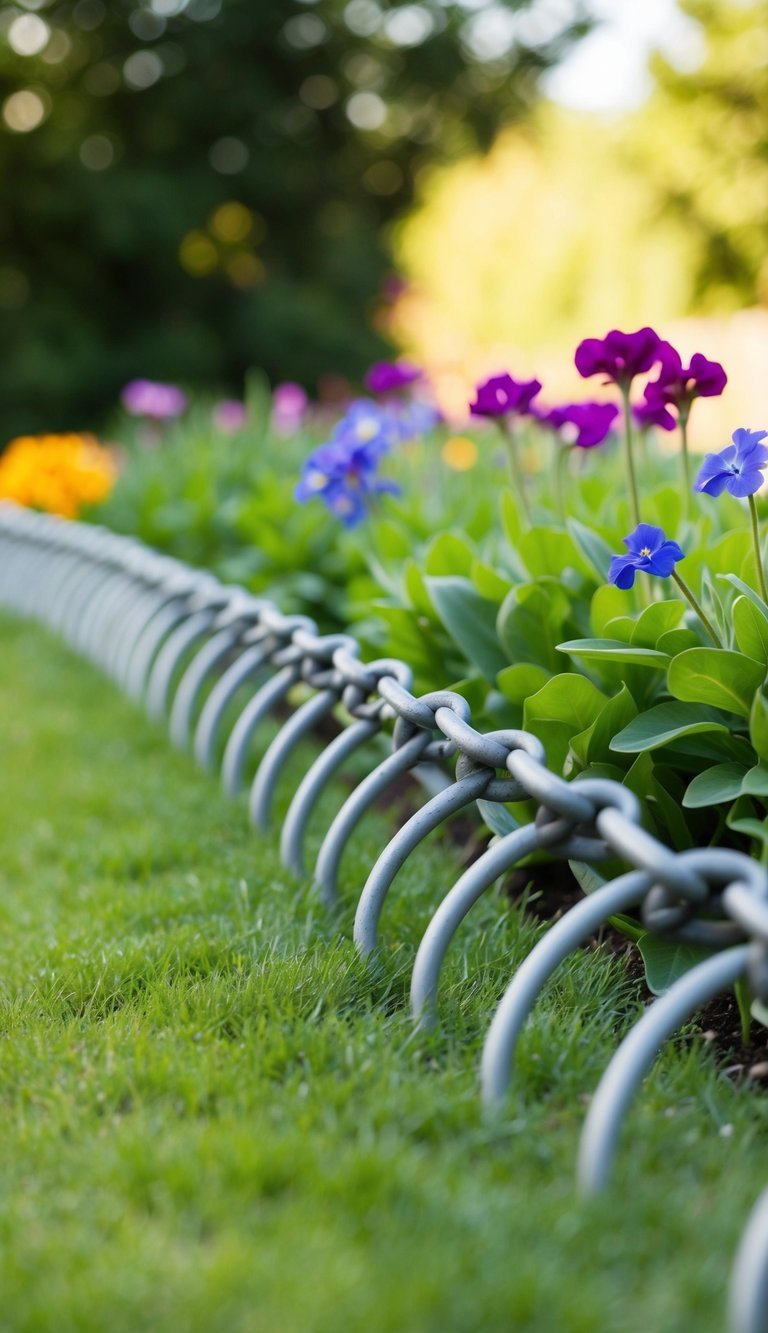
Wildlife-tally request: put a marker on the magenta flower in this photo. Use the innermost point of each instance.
(649, 551)
(230, 415)
(619, 356)
(582, 424)
(389, 376)
(289, 405)
(678, 385)
(737, 468)
(161, 402)
(502, 396)
(645, 414)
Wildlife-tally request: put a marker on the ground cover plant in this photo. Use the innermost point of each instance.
(216, 1119)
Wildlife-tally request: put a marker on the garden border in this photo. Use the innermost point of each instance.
(164, 632)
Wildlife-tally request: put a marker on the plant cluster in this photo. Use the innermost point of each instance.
(58, 473)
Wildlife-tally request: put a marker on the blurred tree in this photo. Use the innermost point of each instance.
(702, 143)
(202, 186)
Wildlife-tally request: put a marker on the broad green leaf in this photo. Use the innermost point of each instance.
(517, 682)
(607, 603)
(614, 650)
(750, 827)
(747, 590)
(657, 619)
(715, 676)
(470, 620)
(489, 582)
(666, 723)
(758, 724)
(620, 628)
(530, 621)
(416, 590)
(751, 629)
(593, 548)
(448, 554)
(558, 711)
(617, 714)
(715, 785)
(512, 521)
(677, 640)
(549, 551)
(756, 781)
(589, 879)
(498, 818)
(666, 961)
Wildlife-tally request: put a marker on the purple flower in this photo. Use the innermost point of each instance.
(289, 403)
(145, 398)
(678, 385)
(582, 424)
(389, 376)
(647, 414)
(618, 356)
(737, 468)
(648, 551)
(501, 395)
(230, 415)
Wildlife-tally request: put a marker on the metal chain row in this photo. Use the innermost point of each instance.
(186, 645)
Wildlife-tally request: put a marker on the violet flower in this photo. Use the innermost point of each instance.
(390, 376)
(289, 404)
(229, 416)
(619, 356)
(501, 395)
(343, 472)
(582, 424)
(649, 551)
(160, 402)
(678, 385)
(737, 468)
(645, 414)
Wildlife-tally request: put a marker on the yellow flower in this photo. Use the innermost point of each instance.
(57, 473)
(459, 453)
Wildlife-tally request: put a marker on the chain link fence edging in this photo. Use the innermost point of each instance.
(184, 644)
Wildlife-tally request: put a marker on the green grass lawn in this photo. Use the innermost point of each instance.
(213, 1119)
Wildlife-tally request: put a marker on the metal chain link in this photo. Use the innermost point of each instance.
(165, 631)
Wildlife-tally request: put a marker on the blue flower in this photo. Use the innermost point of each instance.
(737, 468)
(649, 551)
(369, 427)
(342, 473)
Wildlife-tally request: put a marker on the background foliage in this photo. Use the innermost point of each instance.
(200, 187)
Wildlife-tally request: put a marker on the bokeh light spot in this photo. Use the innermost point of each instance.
(142, 69)
(459, 453)
(228, 156)
(304, 31)
(245, 269)
(318, 92)
(362, 17)
(24, 111)
(97, 152)
(409, 26)
(198, 254)
(28, 35)
(383, 177)
(231, 222)
(366, 111)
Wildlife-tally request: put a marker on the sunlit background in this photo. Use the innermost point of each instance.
(194, 188)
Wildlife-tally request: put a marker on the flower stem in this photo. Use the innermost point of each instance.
(516, 469)
(686, 458)
(562, 459)
(629, 457)
(756, 540)
(709, 627)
